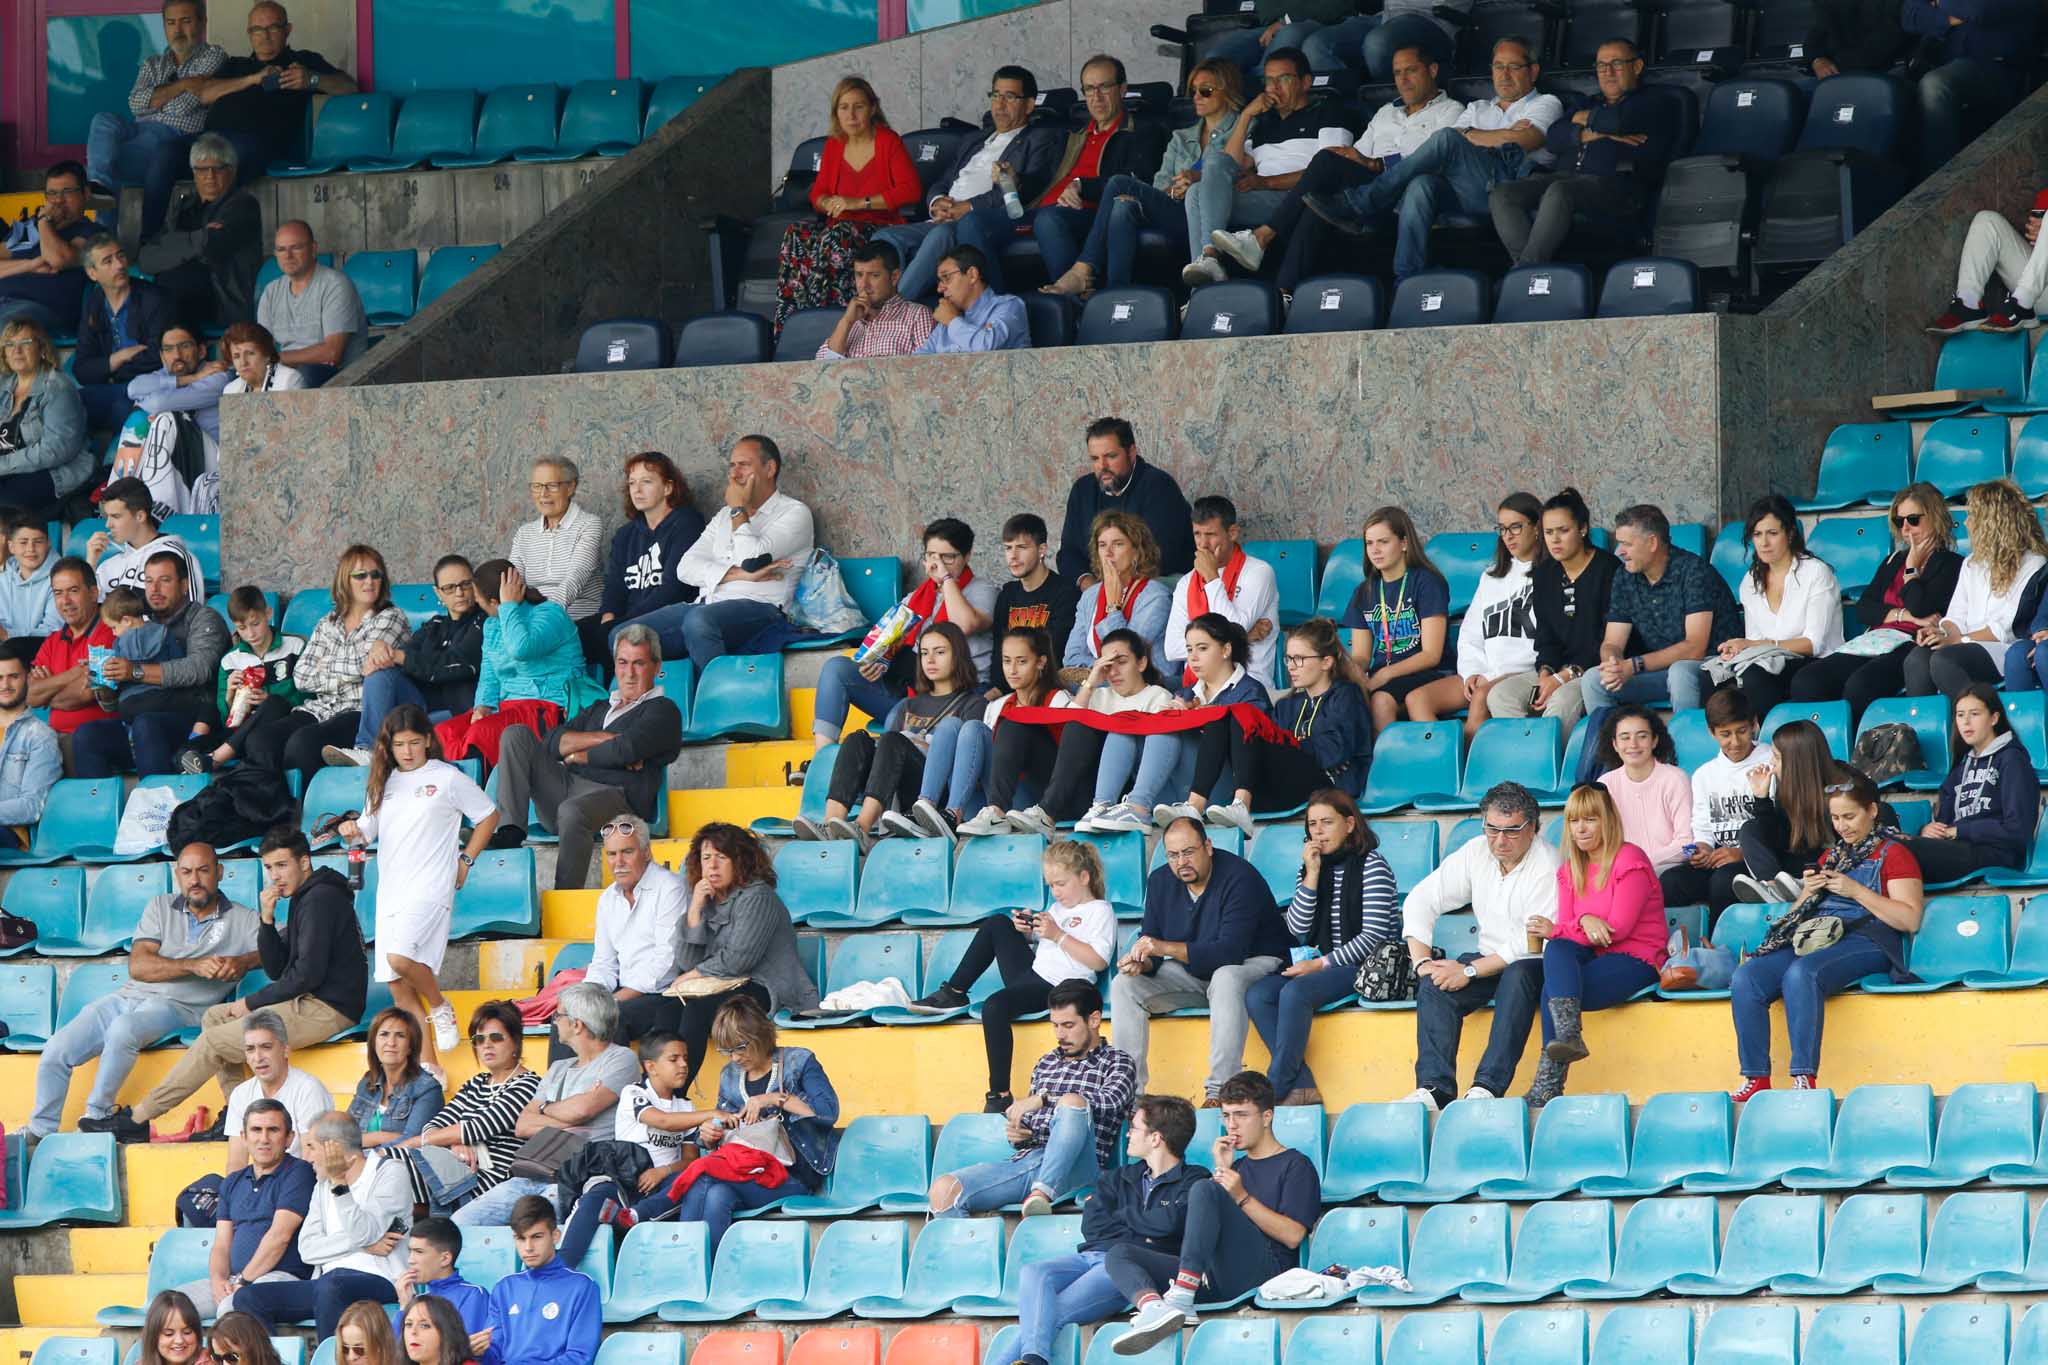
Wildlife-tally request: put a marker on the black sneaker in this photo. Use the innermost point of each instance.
(994, 1103)
(940, 1001)
(1957, 317)
(216, 1132)
(121, 1123)
(508, 836)
(1334, 210)
(194, 761)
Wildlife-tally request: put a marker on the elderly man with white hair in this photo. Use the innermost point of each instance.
(211, 243)
(638, 917)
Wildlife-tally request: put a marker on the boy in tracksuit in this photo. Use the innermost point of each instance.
(546, 1313)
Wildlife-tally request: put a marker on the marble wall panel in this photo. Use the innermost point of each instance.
(1124, 27)
(957, 59)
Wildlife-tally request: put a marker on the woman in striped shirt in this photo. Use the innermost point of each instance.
(1344, 909)
(475, 1127)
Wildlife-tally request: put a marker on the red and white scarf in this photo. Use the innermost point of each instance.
(928, 604)
(1130, 599)
(1198, 597)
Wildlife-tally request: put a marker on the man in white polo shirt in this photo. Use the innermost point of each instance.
(269, 1056)
(639, 918)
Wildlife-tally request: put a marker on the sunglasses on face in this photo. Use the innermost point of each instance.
(1202, 91)
(355, 1352)
(365, 575)
(228, 1357)
(479, 1039)
(1909, 518)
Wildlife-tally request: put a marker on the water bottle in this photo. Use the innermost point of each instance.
(1012, 205)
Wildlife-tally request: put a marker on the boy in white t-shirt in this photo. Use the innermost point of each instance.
(1722, 802)
(654, 1113)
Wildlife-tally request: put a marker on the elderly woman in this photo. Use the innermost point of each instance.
(865, 181)
(211, 245)
(466, 1146)
(43, 455)
(252, 353)
(580, 1093)
(396, 1095)
(561, 552)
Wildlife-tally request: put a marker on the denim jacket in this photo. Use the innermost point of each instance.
(405, 1113)
(30, 764)
(815, 1139)
(1185, 149)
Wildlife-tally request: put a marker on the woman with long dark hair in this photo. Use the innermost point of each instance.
(475, 1133)
(396, 1095)
(1639, 767)
(1569, 588)
(238, 1339)
(171, 1333)
(433, 1333)
(1788, 828)
(1398, 618)
(1984, 814)
(1791, 606)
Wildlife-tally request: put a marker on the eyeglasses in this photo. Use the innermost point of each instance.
(356, 1352)
(943, 557)
(1185, 855)
(1494, 831)
(948, 276)
(228, 1357)
(1513, 528)
(479, 1039)
(1909, 518)
(1102, 88)
(550, 487)
(1304, 660)
(1616, 68)
(365, 575)
(1007, 97)
(1202, 91)
(21, 344)
(1511, 66)
(450, 589)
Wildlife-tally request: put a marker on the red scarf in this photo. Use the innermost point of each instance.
(1102, 609)
(1255, 723)
(925, 599)
(1198, 597)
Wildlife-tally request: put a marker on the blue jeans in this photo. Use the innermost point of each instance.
(955, 764)
(2026, 667)
(277, 1302)
(148, 742)
(1282, 1008)
(1213, 202)
(1165, 767)
(705, 630)
(988, 229)
(493, 1208)
(384, 692)
(1959, 100)
(1803, 983)
(921, 245)
(840, 688)
(1678, 684)
(1064, 1164)
(713, 1202)
(1597, 980)
(113, 1028)
(1070, 1289)
(151, 154)
(106, 405)
(1446, 164)
(1059, 232)
(1440, 1018)
(1128, 205)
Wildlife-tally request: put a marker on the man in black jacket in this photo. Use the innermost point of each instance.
(211, 245)
(119, 330)
(1118, 481)
(436, 671)
(1143, 1204)
(319, 976)
(608, 760)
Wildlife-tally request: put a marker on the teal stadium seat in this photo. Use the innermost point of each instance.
(431, 123)
(995, 875)
(201, 535)
(1690, 736)
(1854, 547)
(304, 610)
(1456, 1246)
(602, 118)
(1123, 867)
(386, 282)
(499, 896)
(1574, 751)
(1975, 1233)
(265, 273)
(855, 1259)
(1768, 1236)
(1035, 1239)
(2033, 1278)
(1101, 1348)
(1873, 1235)
(28, 1005)
(811, 804)
(899, 875)
(88, 984)
(740, 695)
(1781, 1130)
(941, 960)
(80, 812)
(417, 600)
(953, 1258)
(966, 1140)
(1276, 852)
(661, 1263)
(757, 1261)
(2035, 399)
(332, 791)
(488, 1255)
(672, 95)
(178, 1257)
(1958, 936)
(1661, 1239)
(1353, 1339)
(53, 899)
(818, 878)
(1240, 1341)
(1949, 1332)
(515, 119)
(71, 1179)
(1831, 716)
(1476, 1141)
(75, 1351)
(1977, 360)
(114, 905)
(2030, 457)
(1862, 462)
(2034, 873)
(348, 128)
(1677, 1135)
(879, 1155)
(866, 957)
(448, 267)
(1730, 555)
(1957, 452)
(1343, 572)
(2029, 964)
(1929, 719)
(875, 583)
(1539, 1336)
(1526, 751)
(1984, 1125)
(1880, 1128)
(184, 786)
(1578, 1138)
(638, 1348)
(1294, 570)
(1559, 1241)
(1351, 1236)
(1750, 1336)
(1462, 556)
(1412, 758)
(1629, 1336)
(1436, 1338)
(2028, 712)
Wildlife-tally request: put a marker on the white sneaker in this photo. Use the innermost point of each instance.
(1241, 246)
(1478, 1092)
(1086, 824)
(1422, 1096)
(1166, 812)
(1032, 820)
(1122, 817)
(1202, 270)
(990, 820)
(443, 1019)
(896, 822)
(335, 756)
(1235, 816)
(1155, 1322)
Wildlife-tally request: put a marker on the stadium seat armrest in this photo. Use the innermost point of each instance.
(1457, 18)
(1167, 33)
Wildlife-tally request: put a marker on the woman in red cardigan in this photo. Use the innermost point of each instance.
(865, 181)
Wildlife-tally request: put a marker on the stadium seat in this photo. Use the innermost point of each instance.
(1294, 567)
(637, 1348)
(995, 875)
(744, 256)
(803, 332)
(1035, 1239)
(1677, 1135)
(1780, 1130)
(1628, 1336)
(1873, 1235)
(80, 812)
(1408, 846)
(2030, 457)
(1551, 292)
(1234, 1341)
(966, 1140)
(1525, 750)
(2028, 712)
(725, 338)
(515, 118)
(1541, 1336)
(740, 694)
(1352, 1236)
(1336, 303)
(1958, 936)
(1649, 286)
(86, 986)
(28, 1005)
(1130, 313)
(623, 344)
(1949, 1332)
(762, 1259)
(488, 1255)
(951, 1259)
(332, 791)
(1412, 758)
(1002, 1348)
(1694, 742)
(1343, 571)
(1462, 556)
(1730, 555)
(71, 1179)
(1768, 1236)
(855, 1259)
(179, 1256)
(1929, 718)
(2029, 964)
(818, 878)
(1708, 198)
(1100, 1348)
(386, 282)
(1476, 1141)
(1660, 1239)
(1843, 173)
(601, 117)
(1879, 1128)
(1957, 452)
(1559, 1241)
(2034, 1277)
(304, 610)
(1975, 1233)
(53, 899)
(1750, 1334)
(1373, 1145)
(74, 1351)
(1231, 309)
(1977, 360)
(1863, 462)
(1354, 1339)
(671, 96)
(431, 123)
(1831, 716)
(448, 267)
(1441, 298)
(1436, 1339)
(1054, 319)
(1578, 1137)
(114, 905)
(348, 128)
(201, 535)
(899, 875)
(499, 896)
(865, 957)
(1854, 547)
(1123, 864)
(738, 1346)
(1983, 1125)
(879, 1154)
(953, 1343)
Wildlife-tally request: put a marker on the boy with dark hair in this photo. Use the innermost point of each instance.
(135, 533)
(257, 683)
(1035, 596)
(653, 1114)
(28, 609)
(1245, 1224)
(544, 1313)
(432, 1249)
(1722, 800)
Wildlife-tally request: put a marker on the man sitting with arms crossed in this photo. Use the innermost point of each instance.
(261, 1208)
(878, 320)
(1080, 1090)
(745, 564)
(971, 316)
(59, 679)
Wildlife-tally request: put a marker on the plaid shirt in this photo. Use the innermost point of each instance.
(330, 672)
(1106, 1077)
(898, 329)
(183, 112)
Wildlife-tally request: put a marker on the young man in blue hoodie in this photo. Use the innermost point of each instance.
(546, 1313)
(432, 1249)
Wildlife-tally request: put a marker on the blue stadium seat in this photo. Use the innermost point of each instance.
(1873, 1235)
(1412, 758)
(1781, 1130)
(1578, 1137)
(1831, 716)
(1854, 547)
(448, 267)
(951, 1259)
(1649, 286)
(75, 1351)
(201, 535)
(348, 128)
(2028, 712)
(53, 899)
(1442, 298)
(1373, 1145)
(1231, 309)
(182, 786)
(2030, 456)
(899, 875)
(1539, 1336)
(1343, 571)
(28, 1005)
(1660, 1239)
(488, 1255)
(1436, 1339)
(218, 602)
(1462, 556)
(818, 878)
(1983, 1125)
(740, 694)
(2034, 400)
(331, 792)
(386, 281)
(1455, 1247)
(1677, 1135)
(2030, 1338)
(725, 338)
(810, 805)
(1551, 292)
(1977, 360)
(431, 123)
(631, 1348)
(1975, 1233)
(966, 1140)
(1863, 462)
(1408, 846)
(2034, 1277)
(515, 118)
(1959, 936)
(601, 117)
(80, 812)
(1770, 1235)
(304, 610)
(1957, 452)
(879, 1155)
(1054, 319)
(803, 332)
(1354, 1339)
(1035, 1239)
(1476, 1141)
(1694, 742)
(1752, 1335)
(87, 985)
(671, 96)
(1002, 1348)
(623, 344)
(1123, 864)
(179, 1256)
(2029, 963)
(1949, 1332)
(114, 905)
(1631, 1335)
(71, 1179)
(499, 896)
(660, 1263)
(865, 957)
(1690, 535)
(1129, 313)
(995, 875)
(1352, 1236)
(1525, 750)
(1879, 1128)
(1101, 1348)
(1234, 1341)
(1294, 568)
(855, 1259)
(1558, 1242)
(758, 1260)
(1730, 555)
(1336, 303)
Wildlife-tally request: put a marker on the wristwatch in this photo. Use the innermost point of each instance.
(315, 79)
(1471, 972)
(465, 860)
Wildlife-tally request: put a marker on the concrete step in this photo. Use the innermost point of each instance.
(113, 1251)
(66, 1300)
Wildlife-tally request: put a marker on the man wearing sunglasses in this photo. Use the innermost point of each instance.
(435, 671)
(1507, 876)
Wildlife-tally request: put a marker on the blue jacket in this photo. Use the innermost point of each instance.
(550, 1316)
(1247, 689)
(814, 1139)
(1337, 733)
(532, 653)
(1119, 1212)
(405, 1113)
(1991, 31)
(52, 433)
(1034, 154)
(149, 313)
(27, 607)
(641, 575)
(1992, 798)
(30, 764)
(1236, 918)
(473, 1304)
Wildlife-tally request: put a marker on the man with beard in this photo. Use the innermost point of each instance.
(1119, 481)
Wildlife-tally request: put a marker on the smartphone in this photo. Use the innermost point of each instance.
(757, 563)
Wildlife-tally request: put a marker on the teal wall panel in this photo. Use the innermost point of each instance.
(926, 14)
(439, 44)
(92, 66)
(674, 37)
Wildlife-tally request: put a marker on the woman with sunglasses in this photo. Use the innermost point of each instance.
(447, 1156)
(330, 672)
(1909, 592)
(364, 1336)
(171, 1333)
(1498, 637)
(396, 1096)
(433, 1334)
(2007, 551)
(238, 1339)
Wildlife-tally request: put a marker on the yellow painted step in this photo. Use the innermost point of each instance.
(739, 805)
(760, 765)
(60, 1300)
(156, 1173)
(113, 1251)
(515, 967)
(569, 915)
(18, 1344)
(803, 709)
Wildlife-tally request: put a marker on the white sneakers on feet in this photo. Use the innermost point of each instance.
(989, 820)
(339, 756)
(1422, 1096)
(1233, 816)
(1478, 1092)
(1122, 817)
(1241, 246)
(442, 1017)
(1086, 824)
(1202, 270)
(1166, 812)
(1158, 1320)
(1032, 820)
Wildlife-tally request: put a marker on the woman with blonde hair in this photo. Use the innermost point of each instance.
(1126, 594)
(1398, 618)
(865, 181)
(1607, 942)
(43, 454)
(1967, 645)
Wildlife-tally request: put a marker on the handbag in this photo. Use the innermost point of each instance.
(1817, 932)
(1388, 974)
(1701, 967)
(541, 1156)
(766, 1134)
(697, 987)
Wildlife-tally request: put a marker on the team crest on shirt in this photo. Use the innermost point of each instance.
(428, 791)
(551, 1310)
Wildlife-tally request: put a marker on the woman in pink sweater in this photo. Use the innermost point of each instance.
(1608, 940)
(1639, 768)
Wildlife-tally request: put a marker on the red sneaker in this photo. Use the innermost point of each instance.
(1806, 1083)
(1750, 1086)
(193, 1127)
(2007, 317)
(1957, 317)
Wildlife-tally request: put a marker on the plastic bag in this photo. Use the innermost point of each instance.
(822, 602)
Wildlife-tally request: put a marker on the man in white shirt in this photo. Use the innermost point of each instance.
(744, 566)
(1455, 169)
(1230, 583)
(639, 919)
(1396, 131)
(132, 533)
(269, 1056)
(1508, 876)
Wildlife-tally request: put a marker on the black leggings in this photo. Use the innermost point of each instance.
(1767, 848)
(296, 739)
(1851, 678)
(889, 769)
(268, 712)
(1945, 860)
(1950, 669)
(1279, 776)
(1766, 689)
(1064, 767)
(1024, 991)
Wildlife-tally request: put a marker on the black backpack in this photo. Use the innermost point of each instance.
(241, 803)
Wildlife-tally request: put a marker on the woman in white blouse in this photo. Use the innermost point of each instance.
(252, 354)
(1791, 602)
(1968, 644)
